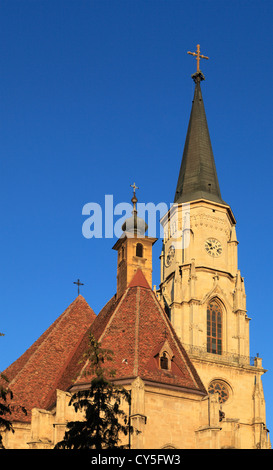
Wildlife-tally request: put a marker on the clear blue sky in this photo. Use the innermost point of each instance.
(96, 95)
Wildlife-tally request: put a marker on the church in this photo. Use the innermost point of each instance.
(182, 349)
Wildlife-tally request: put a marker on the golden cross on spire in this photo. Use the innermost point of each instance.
(198, 57)
(134, 188)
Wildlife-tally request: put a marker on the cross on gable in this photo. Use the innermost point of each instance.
(78, 283)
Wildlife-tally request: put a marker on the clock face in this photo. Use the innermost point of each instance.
(170, 256)
(213, 247)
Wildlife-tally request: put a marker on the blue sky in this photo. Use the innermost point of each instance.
(96, 95)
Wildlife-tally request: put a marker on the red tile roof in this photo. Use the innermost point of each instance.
(139, 280)
(134, 327)
(34, 377)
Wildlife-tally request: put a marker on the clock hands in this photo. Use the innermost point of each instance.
(213, 247)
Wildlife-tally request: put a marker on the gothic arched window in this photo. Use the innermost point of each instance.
(220, 387)
(214, 327)
(139, 250)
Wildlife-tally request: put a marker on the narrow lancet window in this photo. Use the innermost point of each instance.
(214, 328)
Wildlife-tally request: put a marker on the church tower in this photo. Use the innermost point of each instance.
(191, 380)
(202, 288)
(134, 250)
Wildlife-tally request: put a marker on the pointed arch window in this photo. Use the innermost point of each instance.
(214, 327)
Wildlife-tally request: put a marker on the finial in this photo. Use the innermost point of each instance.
(198, 75)
(134, 224)
(134, 188)
(134, 198)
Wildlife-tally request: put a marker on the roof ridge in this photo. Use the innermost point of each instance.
(103, 315)
(136, 355)
(99, 336)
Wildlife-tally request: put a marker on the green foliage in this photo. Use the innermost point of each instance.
(105, 420)
(6, 407)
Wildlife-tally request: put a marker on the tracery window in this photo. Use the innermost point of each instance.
(220, 387)
(214, 328)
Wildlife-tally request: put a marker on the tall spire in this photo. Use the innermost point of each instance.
(198, 177)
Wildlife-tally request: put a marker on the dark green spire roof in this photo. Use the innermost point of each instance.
(197, 177)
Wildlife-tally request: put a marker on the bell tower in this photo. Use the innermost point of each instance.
(199, 258)
(201, 287)
(134, 250)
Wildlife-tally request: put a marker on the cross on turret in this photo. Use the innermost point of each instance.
(134, 187)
